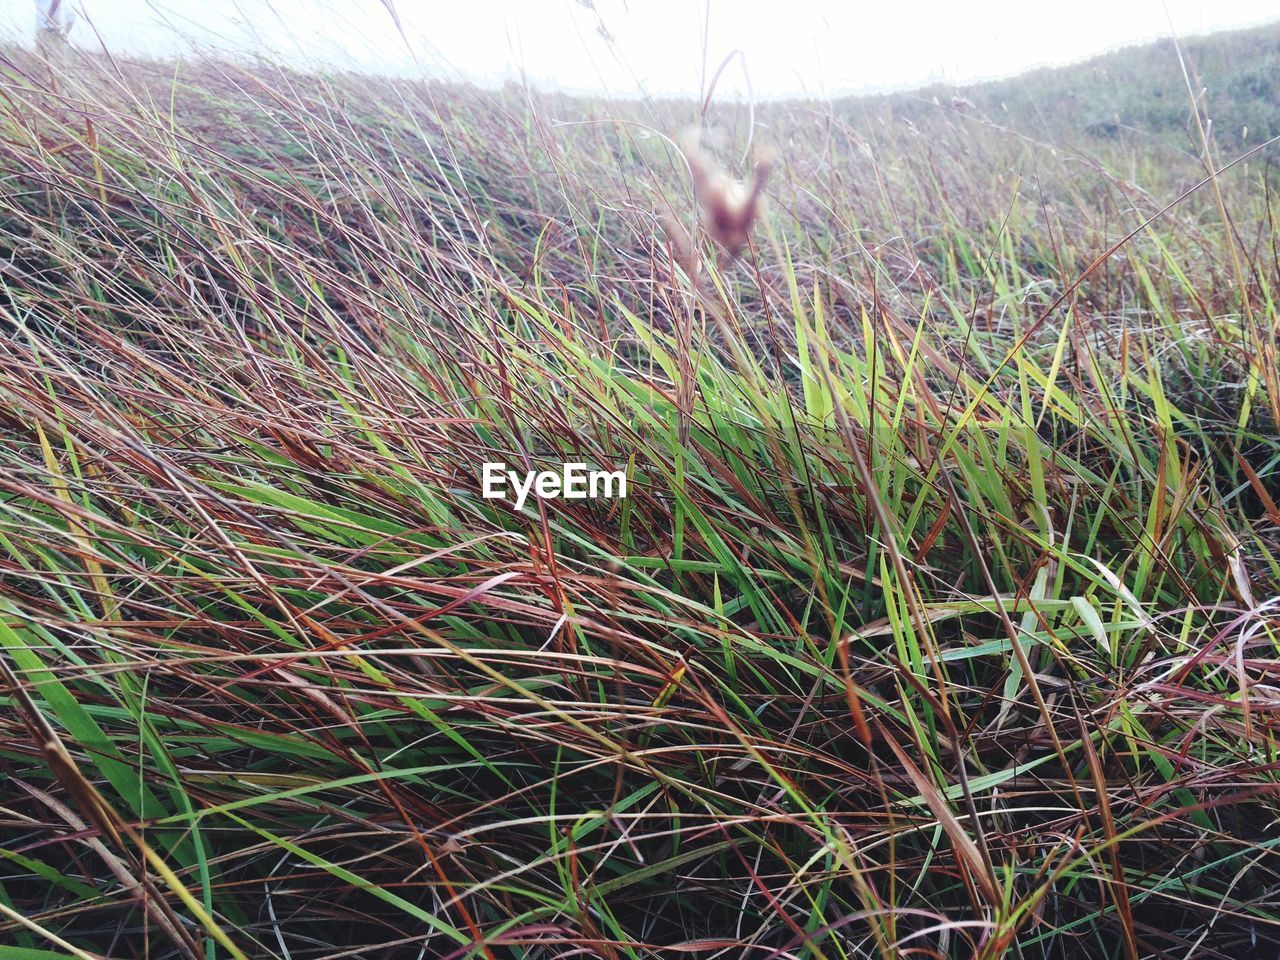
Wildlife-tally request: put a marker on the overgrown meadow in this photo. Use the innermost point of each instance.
(941, 618)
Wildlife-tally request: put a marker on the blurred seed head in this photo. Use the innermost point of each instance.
(729, 206)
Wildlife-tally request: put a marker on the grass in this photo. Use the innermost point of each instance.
(1138, 94)
(941, 618)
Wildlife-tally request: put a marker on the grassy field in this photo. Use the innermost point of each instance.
(1139, 94)
(941, 618)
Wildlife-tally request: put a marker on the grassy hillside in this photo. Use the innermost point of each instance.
(940, 619)
(1139, 94)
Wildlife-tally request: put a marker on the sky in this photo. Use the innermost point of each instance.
(656, 47)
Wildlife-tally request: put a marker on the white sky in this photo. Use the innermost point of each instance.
(788, 46)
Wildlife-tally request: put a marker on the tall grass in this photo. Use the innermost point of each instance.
(941, 619)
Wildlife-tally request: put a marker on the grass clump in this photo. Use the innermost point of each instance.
(940, 619)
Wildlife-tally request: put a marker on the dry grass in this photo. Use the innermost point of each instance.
(941, 620)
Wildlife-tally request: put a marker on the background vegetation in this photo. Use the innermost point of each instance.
(941, 620)
(1143, 95)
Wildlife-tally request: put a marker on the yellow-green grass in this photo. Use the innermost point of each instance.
(940, 620)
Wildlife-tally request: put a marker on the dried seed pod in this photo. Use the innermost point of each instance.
(729, 206)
